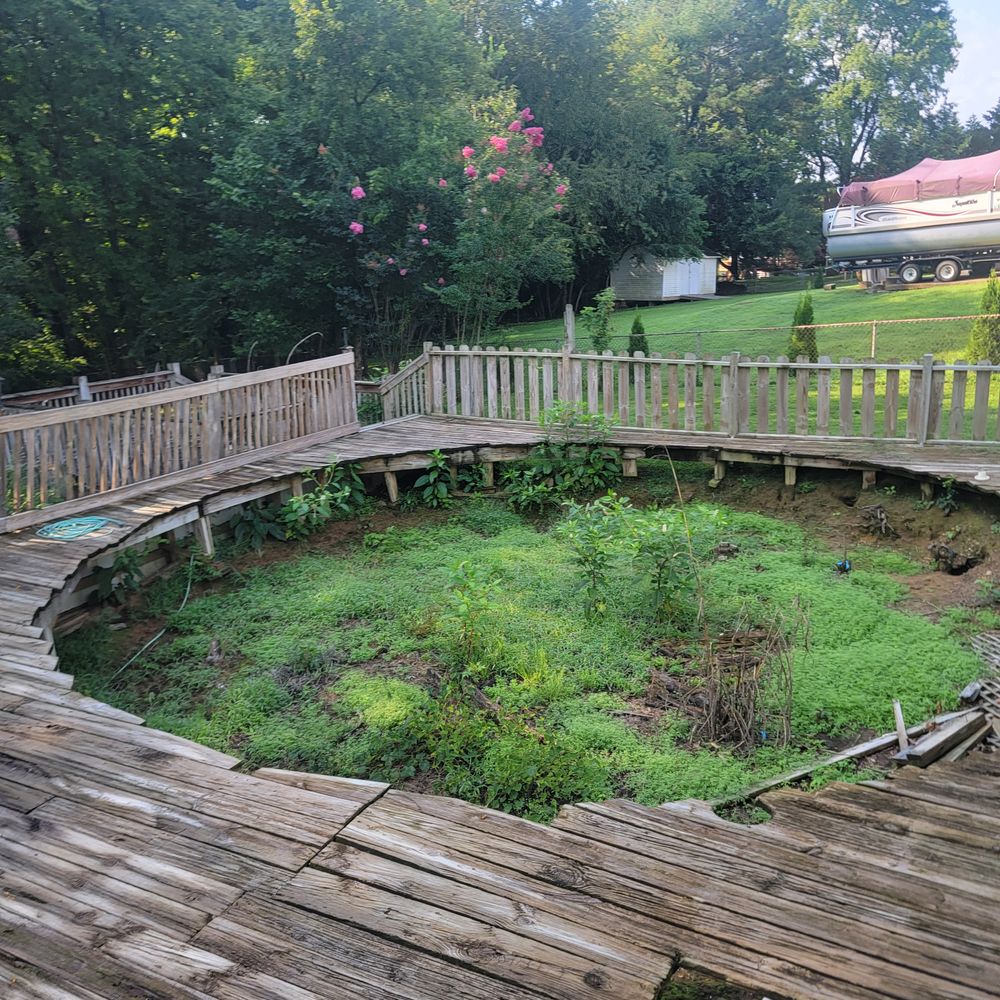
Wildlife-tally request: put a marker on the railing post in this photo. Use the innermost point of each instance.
(428, 377)
(569, 321)
(83, 389)
(927, 363)
(174, 367)
(734, 394)
(874, 338)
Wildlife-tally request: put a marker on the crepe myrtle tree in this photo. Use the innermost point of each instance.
(489, 221)
(510, 228)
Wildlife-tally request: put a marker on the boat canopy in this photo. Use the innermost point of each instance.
(930, 178)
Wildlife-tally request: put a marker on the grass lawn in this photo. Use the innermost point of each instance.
(492, 683)
(671, 327)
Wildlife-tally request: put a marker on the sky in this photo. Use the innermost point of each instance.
(974, 86)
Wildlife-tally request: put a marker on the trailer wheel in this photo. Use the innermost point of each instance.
(948, 270)
(909, 273)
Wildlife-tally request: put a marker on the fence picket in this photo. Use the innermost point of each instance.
(639, 380)
(956, 421)
(781, 396)
(847, 398)
(867, 402)
(763, 394)
(708, 393)
(981, 410)
(823, 397)
(690, 394)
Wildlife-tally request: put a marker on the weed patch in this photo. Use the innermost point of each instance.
(481, 657)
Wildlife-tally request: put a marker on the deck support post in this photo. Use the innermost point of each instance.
(203, 532)
(488, 477)
(868, 479)
(926, 491)
(718, 473)
(296, 487)
(790, 474)
(392, 487)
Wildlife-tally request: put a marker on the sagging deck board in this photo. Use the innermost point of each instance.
(136, 863)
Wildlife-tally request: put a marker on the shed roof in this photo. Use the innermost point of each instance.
(930, 178)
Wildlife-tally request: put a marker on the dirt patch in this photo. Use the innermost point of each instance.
(829, 505)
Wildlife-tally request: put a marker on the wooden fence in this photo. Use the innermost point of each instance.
(85, 391)
(67, 453)
(733, 395)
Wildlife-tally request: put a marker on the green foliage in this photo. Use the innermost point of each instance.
(255, 523)
(984, 339)
(338, 492)
(122, 577)
(572, 459)
(492, 680)
(470, 592)
(947, 498)
(637, 336)
(802, 342)
(594, 533)
(434, 485)
(598, 320)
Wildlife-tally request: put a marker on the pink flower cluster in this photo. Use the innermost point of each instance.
(536, 136)
(499, 143)
(356, 228)
(357, 192)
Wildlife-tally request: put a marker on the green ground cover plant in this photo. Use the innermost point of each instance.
(468, 655)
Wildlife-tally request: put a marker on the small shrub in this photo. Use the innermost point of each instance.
(469, 596)
(637, 336)
(595, 532)
(803, 339)
(947, 499)
(434, 486)
(339, 492)
(255, 524)
(598, 319)
(984, 339)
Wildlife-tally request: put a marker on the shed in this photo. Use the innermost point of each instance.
(640, 276)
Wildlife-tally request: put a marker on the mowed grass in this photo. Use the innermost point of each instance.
(356, 664)
(734, 323)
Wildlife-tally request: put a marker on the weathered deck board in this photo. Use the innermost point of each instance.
(134, 863)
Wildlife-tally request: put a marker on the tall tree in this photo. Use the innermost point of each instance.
(718, 71)
(620, 155)
(874, 66)
(109, 114)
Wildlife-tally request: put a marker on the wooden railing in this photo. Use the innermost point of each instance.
(85, 391)
(406, 393)
(65, 454)
(733, 395)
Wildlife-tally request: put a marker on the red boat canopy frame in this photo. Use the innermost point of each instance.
(928, 179)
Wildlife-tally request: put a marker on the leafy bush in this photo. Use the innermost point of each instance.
(802, 342)
(984, 339)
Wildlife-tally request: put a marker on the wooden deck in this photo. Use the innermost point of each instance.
(135, 863)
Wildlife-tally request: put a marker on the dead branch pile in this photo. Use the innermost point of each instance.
(748, 683)
(875, 521)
